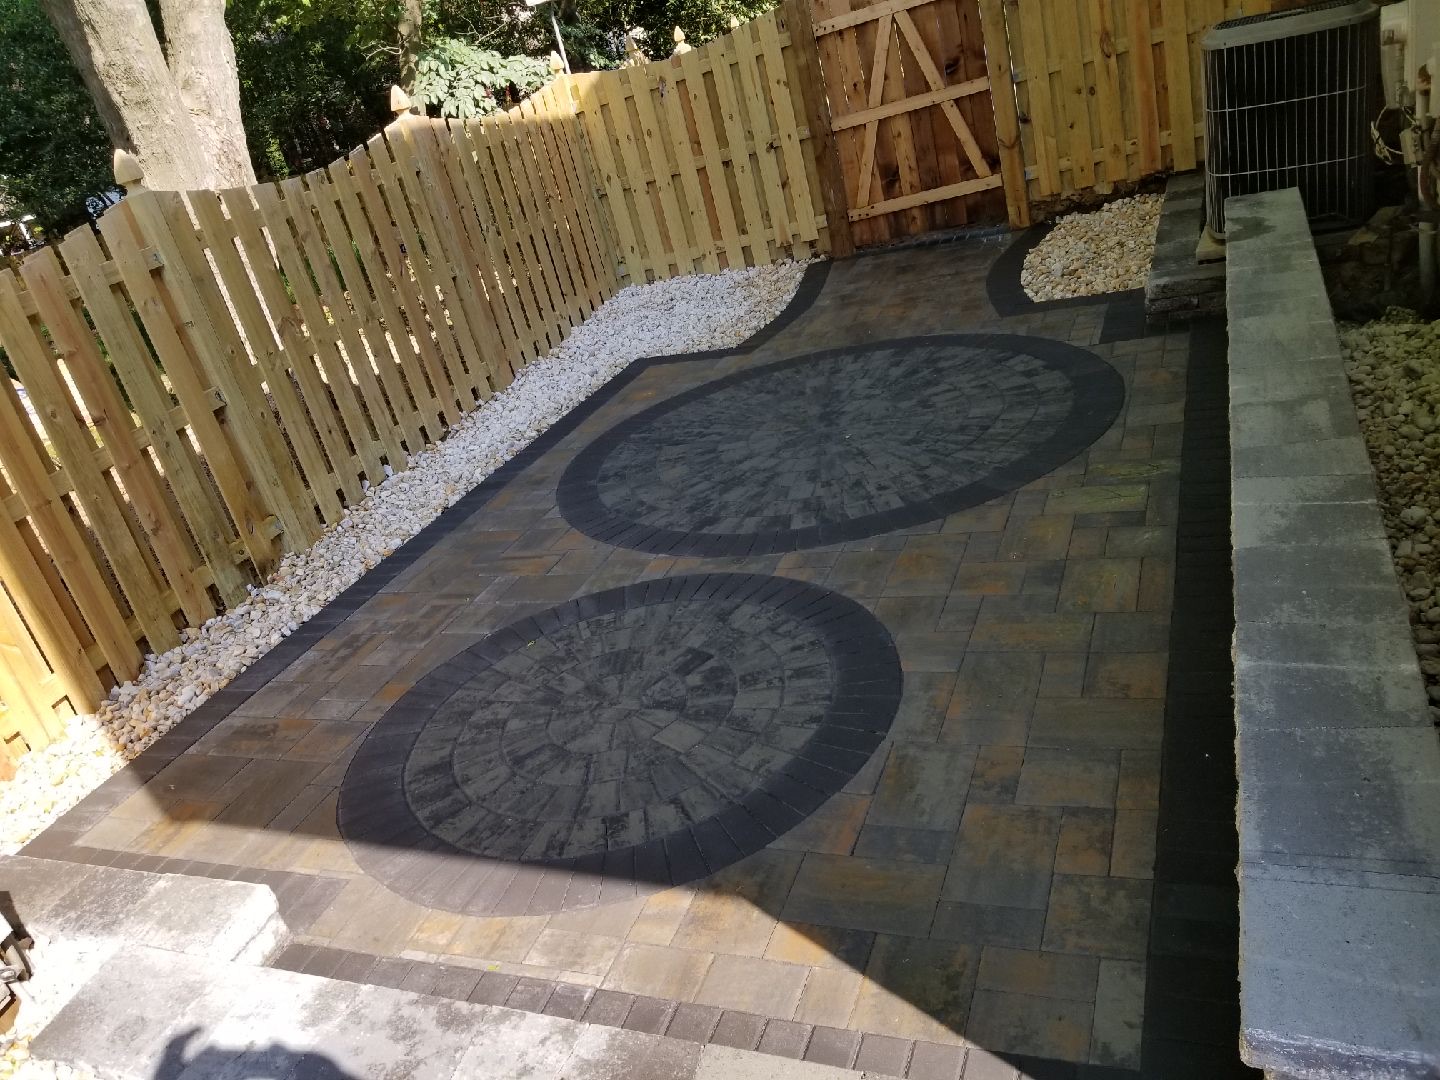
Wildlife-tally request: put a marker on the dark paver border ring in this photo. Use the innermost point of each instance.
(1008, 296)
(1098, 395)
(840, 655)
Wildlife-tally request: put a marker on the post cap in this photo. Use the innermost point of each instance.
(128, 173)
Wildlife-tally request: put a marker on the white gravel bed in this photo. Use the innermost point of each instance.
(61, 968)
(1099, 251)
(688, 314)
(1395, 381)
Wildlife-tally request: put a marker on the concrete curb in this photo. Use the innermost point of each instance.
(1339, 767)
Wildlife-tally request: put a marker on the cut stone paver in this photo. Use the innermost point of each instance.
(864, 894)
(920, 427)
(1005, 856)
(917, 989)
(816, 687)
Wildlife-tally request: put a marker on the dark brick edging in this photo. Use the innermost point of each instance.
(59, 840)
(395, 847)
(1008, 297)
(1099, 395)
(1192, 1022)
(705, 1024)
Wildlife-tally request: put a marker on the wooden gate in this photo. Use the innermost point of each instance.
(922, 142)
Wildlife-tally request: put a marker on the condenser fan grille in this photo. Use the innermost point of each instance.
(1289, 98)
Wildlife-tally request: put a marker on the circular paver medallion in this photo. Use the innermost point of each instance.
(648, 734)
(840, 445)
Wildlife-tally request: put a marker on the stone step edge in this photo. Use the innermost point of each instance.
(66, 901)
(151, 1012)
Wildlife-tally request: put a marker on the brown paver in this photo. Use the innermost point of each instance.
(753, 985)
(917, 988)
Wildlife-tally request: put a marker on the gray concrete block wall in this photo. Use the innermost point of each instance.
(1178, 286)
(1339, 764)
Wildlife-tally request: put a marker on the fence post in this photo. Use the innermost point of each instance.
(1007, 118)
(796, 14)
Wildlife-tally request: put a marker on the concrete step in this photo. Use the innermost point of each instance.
(152, 1013)
(104, 907)
(80, 915)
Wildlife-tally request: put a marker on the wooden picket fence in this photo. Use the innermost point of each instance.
(706, 159)
(1096, 110)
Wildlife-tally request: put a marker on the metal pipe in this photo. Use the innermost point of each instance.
(559, 41)
(1427, 261)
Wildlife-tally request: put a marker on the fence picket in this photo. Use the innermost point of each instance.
(674, 103)
(500, 282)
(224, 361)
(277, 214)
(302, 350)
(410, 337)
(351, 365)
(1107, 90)
(55, 523)
(677, 243)
(561, 197)
(532, 232)
(274, 359)
(437, 219)
(489, 368)
(164, 314)
(193, 495)
(403, 437)
(107, 416)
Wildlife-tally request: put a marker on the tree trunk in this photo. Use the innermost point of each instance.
(408, 29)
(202, 65)
(113, 43)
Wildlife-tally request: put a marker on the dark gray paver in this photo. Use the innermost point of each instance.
(655, 733)
(840, 445)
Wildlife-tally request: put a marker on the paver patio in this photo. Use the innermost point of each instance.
(808, 705)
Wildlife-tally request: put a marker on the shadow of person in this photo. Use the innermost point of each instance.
(273, 1062)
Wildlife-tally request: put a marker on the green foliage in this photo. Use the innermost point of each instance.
(459, 79)
(54, 153)
(311, 87)
(700, 19)
(314, 79)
